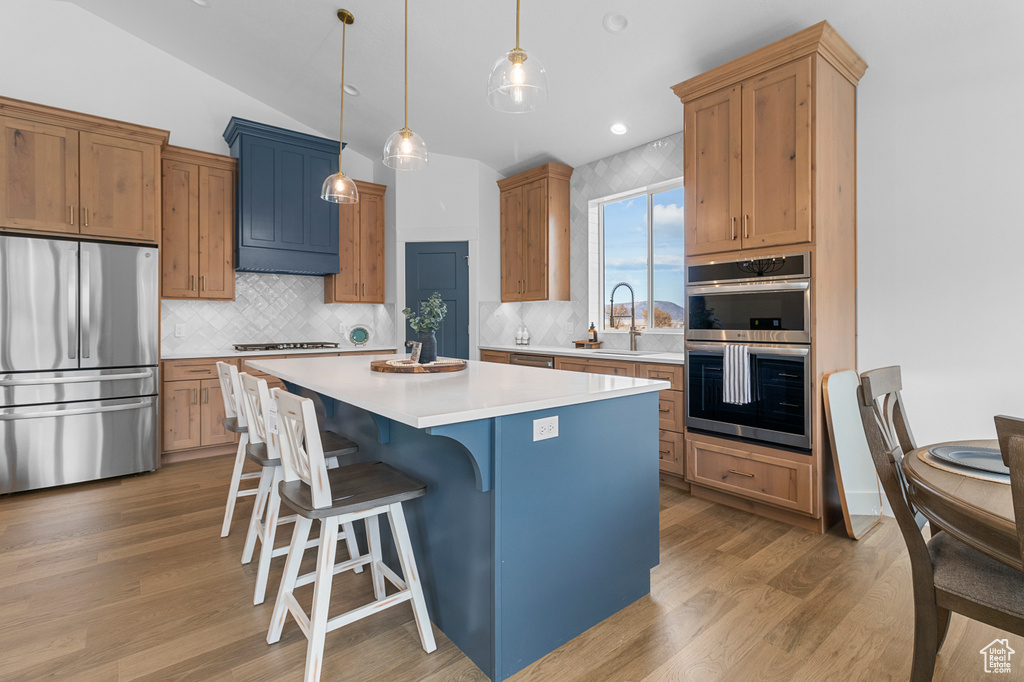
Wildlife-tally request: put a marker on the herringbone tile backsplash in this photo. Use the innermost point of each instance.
(548, 321)
(269, 308)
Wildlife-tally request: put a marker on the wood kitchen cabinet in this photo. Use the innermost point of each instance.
(535, 234)
(67, 173)
(747, 162)
(192, 405)
(197, 250)
(360, 278)
(769, 158)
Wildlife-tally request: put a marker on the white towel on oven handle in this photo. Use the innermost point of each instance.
(736, 375)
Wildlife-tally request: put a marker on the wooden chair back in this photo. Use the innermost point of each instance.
(231, 392)
(889, 439)
(302, 453)
(256, 405)
(1010, 431)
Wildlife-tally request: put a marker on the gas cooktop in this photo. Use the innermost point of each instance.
(298, 345)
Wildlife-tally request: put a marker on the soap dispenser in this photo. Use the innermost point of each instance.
(592, 334)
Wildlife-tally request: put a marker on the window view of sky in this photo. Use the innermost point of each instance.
(628, 231)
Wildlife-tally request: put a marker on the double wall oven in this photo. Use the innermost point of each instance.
(765, 305)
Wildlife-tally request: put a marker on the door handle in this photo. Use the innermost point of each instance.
(72, 327)
(14, 416)
(86, 294)
(71, 214)
(663, 452)
(734, 227)
(206, 396)
(85, 217)
(741, 473)
(204, 282)
(195, 396)
(746, 227)
(665, 410)
(191, 282)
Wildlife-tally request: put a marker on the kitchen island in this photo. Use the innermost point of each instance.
(529, 534)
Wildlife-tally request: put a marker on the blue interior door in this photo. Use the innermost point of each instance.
(442, 267)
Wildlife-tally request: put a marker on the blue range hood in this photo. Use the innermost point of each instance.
(283, 224)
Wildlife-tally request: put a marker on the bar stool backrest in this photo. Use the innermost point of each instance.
(1010, 431)
(302, 453)
(231, 392)
(256, 403)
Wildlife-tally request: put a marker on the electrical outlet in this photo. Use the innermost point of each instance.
(179, 331)
(341, 328)
(545, 428)
(568, 327)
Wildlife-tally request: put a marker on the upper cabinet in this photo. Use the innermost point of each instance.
(283, 224)
(197, 255)
(749, 147)
(360, 277)
(67, 173)
(535, 234)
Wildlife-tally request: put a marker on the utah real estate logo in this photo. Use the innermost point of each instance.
(997, 656)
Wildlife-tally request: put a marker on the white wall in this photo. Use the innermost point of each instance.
(940, 225)
(58, 54)
(452, 199)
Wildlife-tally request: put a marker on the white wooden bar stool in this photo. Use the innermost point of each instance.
(234, 421)
(339, 497)
(262, 449)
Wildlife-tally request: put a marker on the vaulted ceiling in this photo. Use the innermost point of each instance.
(287, 54)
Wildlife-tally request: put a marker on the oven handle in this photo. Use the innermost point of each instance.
(756, 287)
(795, 351)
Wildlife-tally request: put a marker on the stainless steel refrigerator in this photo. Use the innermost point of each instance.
(78, 361)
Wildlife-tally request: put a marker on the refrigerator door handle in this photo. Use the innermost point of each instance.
(71, 299)
(86, 295)
(15, 416)
(76, 380)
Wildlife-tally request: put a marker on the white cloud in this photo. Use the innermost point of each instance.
(668, 214)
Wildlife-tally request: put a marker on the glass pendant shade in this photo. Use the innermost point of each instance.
(340, 189)
(518, 83)
(405, 150)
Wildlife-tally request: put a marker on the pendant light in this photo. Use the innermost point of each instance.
(340, 188)
(517, 84)
(405, 150)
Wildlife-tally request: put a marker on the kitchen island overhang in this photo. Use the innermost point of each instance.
(522, 544)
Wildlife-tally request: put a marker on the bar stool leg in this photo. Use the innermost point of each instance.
(269, 535)
(262, 494)
(373, 540)
(236, 479)
(321, 597)
(291, 573)
(412, 579)
(352, 544)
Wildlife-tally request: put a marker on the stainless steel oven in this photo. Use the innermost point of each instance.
(750, 300)
(780, 377)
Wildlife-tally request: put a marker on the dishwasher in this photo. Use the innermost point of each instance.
(546, 361)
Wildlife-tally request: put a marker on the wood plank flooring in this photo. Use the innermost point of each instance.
(129, 580)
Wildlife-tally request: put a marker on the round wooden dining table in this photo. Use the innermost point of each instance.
(977, 512)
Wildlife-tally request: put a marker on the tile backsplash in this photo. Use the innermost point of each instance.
(269, 308)
(647, 164)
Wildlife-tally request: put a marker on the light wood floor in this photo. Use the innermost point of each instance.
(128, 579)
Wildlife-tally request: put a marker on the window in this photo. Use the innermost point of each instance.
(641, 244)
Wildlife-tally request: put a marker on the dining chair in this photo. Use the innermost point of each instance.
(947, 575)
(337, 497)
(1010, 431)
(234, 422)
(263, 451)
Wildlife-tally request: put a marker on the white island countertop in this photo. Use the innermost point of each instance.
(481, 391)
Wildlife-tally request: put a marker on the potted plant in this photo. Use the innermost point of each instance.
(425, 323)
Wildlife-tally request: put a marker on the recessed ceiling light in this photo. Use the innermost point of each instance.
(614, 22)
(351, 90)
(619, 129)
(202, 3)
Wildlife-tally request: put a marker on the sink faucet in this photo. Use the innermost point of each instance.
(633, 331)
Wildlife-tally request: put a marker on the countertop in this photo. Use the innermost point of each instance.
(607, 353)
(481, 391)
(231, 352)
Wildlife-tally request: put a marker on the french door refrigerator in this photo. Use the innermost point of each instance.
(78, 361)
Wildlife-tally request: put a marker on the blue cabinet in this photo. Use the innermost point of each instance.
(283, 224)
